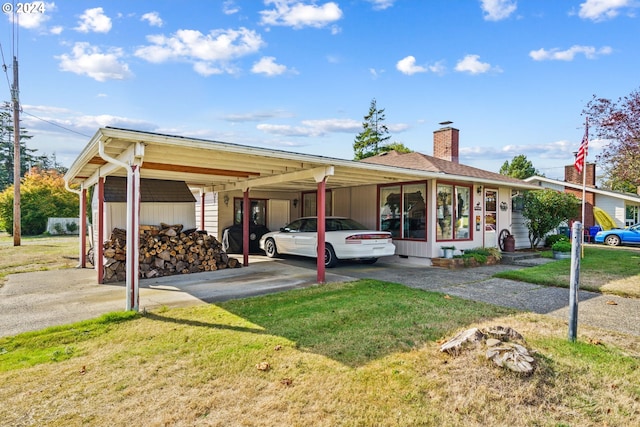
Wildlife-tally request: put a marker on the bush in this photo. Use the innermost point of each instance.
(42, 195)
(562, 246)
(553, 238)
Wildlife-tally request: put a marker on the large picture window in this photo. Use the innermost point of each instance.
(403, 210)
(452, 212)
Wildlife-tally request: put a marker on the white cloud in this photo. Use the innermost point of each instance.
(94, 20)
(153, 18)
(209, 53)
(57, 30)
(34, 20)
(381, 4)
(267, 65)
(589, 52)
(496, 10)
(313, 128)
(600, 10)
(229, 7)
(407, 65)
(471, 64)
(296, 14)
(90, 61)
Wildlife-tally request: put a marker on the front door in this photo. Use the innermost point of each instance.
(490, 218)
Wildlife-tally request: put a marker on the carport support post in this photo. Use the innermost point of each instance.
(574, 280)
(98, 251)
(322, 185)
(133, 236)
(246, 210)
(83, 228)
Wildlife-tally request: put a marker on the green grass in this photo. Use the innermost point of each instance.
(344, 354)
(37, 253)
(359, 321)
(615, 271)
(56, 343)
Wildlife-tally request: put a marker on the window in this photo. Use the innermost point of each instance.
(490, 210)
(632, 215)
(403, 210)
(309, 203)
(452, 212)
(258, 211)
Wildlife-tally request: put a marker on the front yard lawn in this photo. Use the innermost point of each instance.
(607, 270)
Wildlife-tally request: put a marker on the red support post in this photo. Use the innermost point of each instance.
(83, 228)
(246, 212)
(321, 230)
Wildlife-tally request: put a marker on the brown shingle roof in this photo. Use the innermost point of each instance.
(424, 162)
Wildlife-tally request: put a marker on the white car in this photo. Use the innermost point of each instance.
(344, 239)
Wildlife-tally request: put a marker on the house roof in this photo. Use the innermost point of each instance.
(616, 194)
(222, 166)
(419, 161)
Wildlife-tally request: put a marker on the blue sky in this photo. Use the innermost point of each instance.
(299, 75)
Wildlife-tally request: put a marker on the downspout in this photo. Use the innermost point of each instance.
(82, 236)
(133, 203)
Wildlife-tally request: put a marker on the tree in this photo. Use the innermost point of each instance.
(27, 155)
(618, 122)
(43, 195)
(374, 134)
(396, 146)
(545, 210)
(520, 167)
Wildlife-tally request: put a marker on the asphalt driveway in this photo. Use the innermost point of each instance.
(31, 301)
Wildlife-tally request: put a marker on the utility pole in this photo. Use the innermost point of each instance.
(16, 155)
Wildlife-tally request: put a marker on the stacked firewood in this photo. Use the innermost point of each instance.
(165, 250)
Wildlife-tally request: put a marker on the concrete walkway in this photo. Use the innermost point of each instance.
(32, 301)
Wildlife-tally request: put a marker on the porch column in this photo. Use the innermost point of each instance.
(98, 251)
(246, 209)
(133, 237)
(321, 198)
(83, 228)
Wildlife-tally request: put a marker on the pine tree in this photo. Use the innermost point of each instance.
(375, 133)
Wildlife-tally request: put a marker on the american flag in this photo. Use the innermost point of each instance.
(582, 151)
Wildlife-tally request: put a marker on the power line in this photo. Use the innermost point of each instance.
(56, 124)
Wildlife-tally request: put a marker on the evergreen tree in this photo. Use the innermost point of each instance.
(520, 167)
(374, 134)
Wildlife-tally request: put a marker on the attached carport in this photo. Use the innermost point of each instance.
(211, 166)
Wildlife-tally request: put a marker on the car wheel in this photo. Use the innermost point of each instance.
(270, 248)
(612, 240)
(369, 260)
(330, 259)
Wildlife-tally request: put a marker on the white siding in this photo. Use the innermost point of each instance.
(210, 213)
(613, 206)
(363, 205)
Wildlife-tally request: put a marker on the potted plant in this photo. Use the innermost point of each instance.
(448, 251)
(561, 249)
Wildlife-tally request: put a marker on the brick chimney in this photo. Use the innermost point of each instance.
(571, 175)
(445, 144)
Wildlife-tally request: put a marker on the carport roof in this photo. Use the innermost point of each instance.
(222, 166)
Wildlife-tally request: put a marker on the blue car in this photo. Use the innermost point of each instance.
(619, 236)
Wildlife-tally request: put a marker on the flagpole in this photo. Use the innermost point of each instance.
(584, 182)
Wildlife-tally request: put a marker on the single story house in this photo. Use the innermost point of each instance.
(427, 202)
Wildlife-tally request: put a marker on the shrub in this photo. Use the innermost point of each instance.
(553, 238)
(42, 195)
(562, 246)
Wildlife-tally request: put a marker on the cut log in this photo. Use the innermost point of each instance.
(165, 250)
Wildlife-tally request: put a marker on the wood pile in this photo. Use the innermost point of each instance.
(165, 250)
